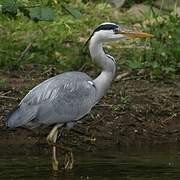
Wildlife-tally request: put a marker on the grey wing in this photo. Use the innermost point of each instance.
(64, 98)
(50, 88)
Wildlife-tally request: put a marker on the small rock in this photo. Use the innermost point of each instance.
(117, 3)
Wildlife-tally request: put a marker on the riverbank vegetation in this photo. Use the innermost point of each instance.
(45, 32)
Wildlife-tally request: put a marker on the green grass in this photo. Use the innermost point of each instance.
(56, 42)
(60, 42)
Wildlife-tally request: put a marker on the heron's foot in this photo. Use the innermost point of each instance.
(68, 161)
(51, 139)
(55, 164)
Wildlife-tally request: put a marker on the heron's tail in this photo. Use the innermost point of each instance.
(20, 116)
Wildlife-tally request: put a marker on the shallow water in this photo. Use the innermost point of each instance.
(106, 165)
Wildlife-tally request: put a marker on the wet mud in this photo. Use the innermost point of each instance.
(134, 113)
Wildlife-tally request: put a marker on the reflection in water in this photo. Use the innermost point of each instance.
(96, 166)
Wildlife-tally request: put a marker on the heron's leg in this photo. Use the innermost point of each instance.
(55, 162)
(52, 138)
(69, 158)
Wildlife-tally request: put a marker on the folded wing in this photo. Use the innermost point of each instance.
(63, 98)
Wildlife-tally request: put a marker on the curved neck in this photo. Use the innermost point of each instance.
(103, 81)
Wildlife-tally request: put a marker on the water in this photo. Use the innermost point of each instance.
(96, 166)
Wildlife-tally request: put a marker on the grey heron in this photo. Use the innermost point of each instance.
(67, 97)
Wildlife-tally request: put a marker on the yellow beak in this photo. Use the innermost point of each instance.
(133, 35)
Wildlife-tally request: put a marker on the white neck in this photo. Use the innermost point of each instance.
(103, 81)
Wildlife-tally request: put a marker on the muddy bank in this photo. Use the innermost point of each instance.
(134, 113)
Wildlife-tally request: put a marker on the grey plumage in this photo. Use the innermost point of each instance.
(63, 98)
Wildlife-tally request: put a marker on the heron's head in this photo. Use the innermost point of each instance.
(111, 31)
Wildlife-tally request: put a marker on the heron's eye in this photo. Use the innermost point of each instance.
(116, 31)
